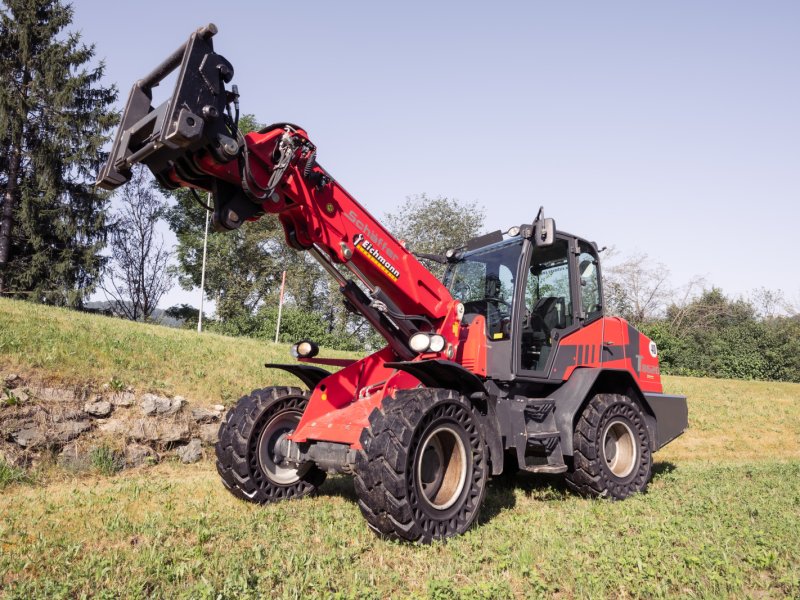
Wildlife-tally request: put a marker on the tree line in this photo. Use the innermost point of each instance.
(61, 241)
(701, 331)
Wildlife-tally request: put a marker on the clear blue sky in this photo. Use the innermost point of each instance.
(671, 128)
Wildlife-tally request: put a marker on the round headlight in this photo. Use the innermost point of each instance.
(305, 349)
(437, 343)
(419, 342)
(513, 232)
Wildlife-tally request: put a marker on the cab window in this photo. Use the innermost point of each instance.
(548, 303)
(484, 281)
(591, 300)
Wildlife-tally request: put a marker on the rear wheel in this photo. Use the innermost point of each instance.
(611, 453)
(248, 438)
(421, 475)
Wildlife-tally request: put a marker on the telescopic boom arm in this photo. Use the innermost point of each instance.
(192, 140)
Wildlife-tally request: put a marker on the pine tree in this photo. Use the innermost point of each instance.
(54, 120)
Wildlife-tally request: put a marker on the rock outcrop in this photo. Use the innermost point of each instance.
(69, 424)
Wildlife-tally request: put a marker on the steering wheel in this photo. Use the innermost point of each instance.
(494, 299)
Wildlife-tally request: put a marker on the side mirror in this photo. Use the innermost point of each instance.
(544, 232)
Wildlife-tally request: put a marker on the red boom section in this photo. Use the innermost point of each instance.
(327, 217)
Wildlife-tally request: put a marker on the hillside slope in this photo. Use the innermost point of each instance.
(721, 517)
(54, 345)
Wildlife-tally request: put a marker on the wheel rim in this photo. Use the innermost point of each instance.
(442, 467)
(619, 449)
(276, 429)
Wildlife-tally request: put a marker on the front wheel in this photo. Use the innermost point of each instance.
(421, 474)
(248, 438)
(611, 453)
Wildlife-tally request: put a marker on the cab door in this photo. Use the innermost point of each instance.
(547, 309)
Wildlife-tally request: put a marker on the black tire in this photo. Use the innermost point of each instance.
(611, 446)
(406, 497)
(251, 426)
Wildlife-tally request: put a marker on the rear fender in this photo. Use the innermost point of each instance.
(582, 385)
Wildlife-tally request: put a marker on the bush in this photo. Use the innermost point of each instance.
(718, 337)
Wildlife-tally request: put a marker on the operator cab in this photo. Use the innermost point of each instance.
(555, 287)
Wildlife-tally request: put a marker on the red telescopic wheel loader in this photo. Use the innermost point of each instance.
(506, 363)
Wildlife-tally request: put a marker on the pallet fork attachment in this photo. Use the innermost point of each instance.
(159, 136)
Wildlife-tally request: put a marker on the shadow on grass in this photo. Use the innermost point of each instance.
(339, 485)
(501, 490)
(661, 469)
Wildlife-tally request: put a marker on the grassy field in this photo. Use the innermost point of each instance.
(721, 517)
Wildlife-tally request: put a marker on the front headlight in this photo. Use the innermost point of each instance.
(304, 349)
(419, 342)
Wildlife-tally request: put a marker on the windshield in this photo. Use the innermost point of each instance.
(484, 281)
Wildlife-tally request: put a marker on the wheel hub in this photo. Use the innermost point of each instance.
(619, 449)
(442, 467)
(269, 444)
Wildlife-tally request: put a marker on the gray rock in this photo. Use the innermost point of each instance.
(152, 404)
(68, 414)
(53, 394)
(177, 404)
(173, 432)
(21, 395)
(161, 405)
(137, 455)
(73, 458)
(204, 415)
(29, 437)
(140, 430)
(191, 452)
(209, 434)
(66, 432)
(114, 427)
(145, 430)
(11, 380)
(122, 398)
(98, 408)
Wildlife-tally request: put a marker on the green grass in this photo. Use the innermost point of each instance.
(106, 461)
(721, 517)
(705, 531)
(10, 474)
(62, 346)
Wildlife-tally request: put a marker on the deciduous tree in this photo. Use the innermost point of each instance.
(433, 224)
(137, 277)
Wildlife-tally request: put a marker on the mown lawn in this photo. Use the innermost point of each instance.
(721, 518)
(701, 531)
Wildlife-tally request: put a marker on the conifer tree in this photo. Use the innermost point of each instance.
(54, 119)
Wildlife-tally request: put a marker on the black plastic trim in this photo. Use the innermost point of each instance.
(440, 373)
(308, 374)
(672, 416)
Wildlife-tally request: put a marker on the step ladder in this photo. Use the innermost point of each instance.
(542, 451)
